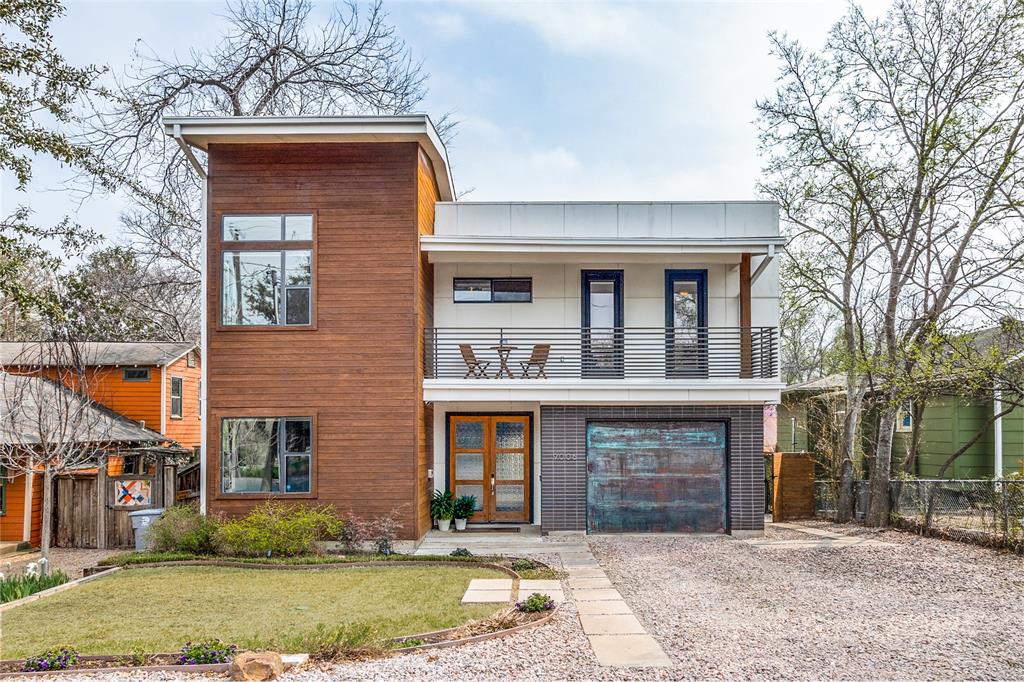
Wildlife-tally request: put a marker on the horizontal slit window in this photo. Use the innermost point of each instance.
(134, 374)
(493, 289)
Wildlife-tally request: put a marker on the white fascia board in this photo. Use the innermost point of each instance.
(553, 391)
(449, 244)
(201, 131)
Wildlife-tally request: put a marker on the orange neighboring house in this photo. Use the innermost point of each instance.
(155, 384)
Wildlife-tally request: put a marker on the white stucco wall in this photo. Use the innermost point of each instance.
(556, 295)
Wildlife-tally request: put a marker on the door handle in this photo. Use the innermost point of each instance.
(492, 484)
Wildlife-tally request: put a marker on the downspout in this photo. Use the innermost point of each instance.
(997, 407)
(203, 383)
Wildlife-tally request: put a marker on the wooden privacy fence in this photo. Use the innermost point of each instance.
(86, 519)
(792, 486)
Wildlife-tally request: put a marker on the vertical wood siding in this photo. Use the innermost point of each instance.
(356, 372)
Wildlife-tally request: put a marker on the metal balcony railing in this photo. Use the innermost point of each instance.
(607, 353)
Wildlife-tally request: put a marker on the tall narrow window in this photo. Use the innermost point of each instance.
(266, 455)
(263, 286)
(176, 386)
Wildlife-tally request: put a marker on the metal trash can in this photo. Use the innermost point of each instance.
(141, 521)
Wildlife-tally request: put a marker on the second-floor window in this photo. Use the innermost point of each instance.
(261, 286)
(176, 384)
(493, 289)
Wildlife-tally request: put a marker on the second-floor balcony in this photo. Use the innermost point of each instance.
(552, 354)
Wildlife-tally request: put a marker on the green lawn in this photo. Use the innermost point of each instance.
(158, 609)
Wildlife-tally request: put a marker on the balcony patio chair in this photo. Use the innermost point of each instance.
(538, 358)
(476, 368)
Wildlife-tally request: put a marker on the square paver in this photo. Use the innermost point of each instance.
(589, 582)
(486, 596)
(611, 624)
(628, 650)
(598, 594)
(490, 584)
(539, 585)
(609, 607)
(585, 571)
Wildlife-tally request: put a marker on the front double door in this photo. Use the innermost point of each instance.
(490, 460)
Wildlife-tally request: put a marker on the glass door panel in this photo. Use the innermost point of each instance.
(686, 331)
(602, 334)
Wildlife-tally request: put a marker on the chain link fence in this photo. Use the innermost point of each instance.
(986, 512)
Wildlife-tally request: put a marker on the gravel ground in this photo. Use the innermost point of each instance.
(723, 609)
(71, 561)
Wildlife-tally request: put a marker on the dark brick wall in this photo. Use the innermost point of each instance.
(563, 433)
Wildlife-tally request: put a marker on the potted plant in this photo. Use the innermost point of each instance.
(442, 508)
(465, 507)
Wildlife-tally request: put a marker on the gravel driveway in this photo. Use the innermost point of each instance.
(919, 608)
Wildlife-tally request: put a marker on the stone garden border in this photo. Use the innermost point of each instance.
(289, 659)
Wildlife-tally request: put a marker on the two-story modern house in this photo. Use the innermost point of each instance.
(598, 367)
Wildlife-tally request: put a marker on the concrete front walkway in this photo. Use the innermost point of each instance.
(617, 637)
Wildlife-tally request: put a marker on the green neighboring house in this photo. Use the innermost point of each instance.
(812, 412)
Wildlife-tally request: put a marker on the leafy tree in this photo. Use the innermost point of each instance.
(905, 133)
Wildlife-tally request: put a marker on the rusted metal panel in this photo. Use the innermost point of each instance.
(656, 476)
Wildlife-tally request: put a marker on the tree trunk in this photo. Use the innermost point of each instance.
(47, 520)
(851, 424)
(878, 503)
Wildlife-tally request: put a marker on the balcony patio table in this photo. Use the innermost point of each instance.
(503, 351)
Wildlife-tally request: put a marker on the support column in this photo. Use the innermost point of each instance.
(745, 340)
(997, 407)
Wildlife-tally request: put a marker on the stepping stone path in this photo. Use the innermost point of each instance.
(817, 538)
(617, 637)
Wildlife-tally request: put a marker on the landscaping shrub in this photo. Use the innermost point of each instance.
(20, 586)
(353, 533)
(382, 532)
(206, 652)
(275, 529)
(461, 552)
(54, 659)
(184, 529)
(523, 565)
(535, 603)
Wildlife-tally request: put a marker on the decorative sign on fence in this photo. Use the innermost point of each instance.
(133, 492)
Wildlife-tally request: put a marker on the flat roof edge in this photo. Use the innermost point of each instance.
(199, 131)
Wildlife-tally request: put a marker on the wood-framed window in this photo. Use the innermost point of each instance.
(176, 397)
(492, 289)
(135, 374)
(266, 271)
(266, 455)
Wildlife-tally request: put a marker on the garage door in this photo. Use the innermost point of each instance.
(656, 476)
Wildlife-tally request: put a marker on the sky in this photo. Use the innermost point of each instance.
(556, 101)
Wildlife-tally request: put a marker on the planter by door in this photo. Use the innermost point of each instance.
(490, 460)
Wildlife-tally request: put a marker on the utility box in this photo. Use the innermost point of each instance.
(793, 486)
(141, 521)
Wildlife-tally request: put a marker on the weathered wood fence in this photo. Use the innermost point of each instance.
(91, 510)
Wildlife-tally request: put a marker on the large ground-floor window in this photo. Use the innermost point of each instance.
(266, 454)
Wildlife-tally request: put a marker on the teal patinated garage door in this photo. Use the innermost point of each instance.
(656, 476)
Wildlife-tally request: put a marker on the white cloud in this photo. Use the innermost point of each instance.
(586, 28)
(446, 25)
(558, 159)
